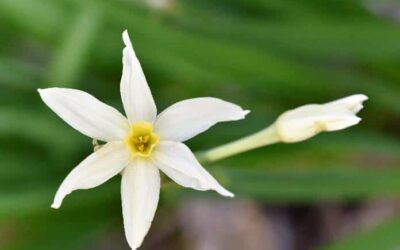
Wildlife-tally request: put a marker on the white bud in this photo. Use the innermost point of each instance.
(306, 121)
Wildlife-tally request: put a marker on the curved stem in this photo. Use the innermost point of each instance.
(262, 138)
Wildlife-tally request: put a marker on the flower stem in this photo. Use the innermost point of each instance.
(262, 138)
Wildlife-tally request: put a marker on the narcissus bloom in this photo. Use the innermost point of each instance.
(306, 121)
(140, 145)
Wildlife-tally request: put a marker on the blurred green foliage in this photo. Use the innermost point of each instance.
(386, 236)
(267, 56)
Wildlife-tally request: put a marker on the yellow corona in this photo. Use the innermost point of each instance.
(141, 140)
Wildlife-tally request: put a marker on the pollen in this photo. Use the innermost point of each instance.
(141, 139)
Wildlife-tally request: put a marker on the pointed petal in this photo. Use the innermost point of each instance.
(188, 118)
(140, 190)
(86, 114)
(136, 95)
(177, 161)
(353, 103)
(96, 169)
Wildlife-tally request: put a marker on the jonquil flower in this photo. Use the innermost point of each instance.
(140, 145)
(306, 121)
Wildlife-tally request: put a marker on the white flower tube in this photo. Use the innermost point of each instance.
(306, 121)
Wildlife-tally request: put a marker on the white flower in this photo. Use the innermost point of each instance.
(139, 146)
(306, 121)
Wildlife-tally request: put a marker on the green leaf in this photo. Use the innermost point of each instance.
(383, 237)
(70, 58)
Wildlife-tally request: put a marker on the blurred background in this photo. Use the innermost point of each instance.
(336, 191)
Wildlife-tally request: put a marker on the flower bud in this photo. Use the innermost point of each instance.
(306, 121)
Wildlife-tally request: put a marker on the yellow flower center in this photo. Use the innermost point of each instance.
(141, 140)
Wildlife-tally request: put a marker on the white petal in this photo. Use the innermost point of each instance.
(188, 118)
(177, 161)
(96, 169)
(136, 95)
(86, 114)
(140, 190)
(352, 103)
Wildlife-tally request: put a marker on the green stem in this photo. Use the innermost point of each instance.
(262, 138)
